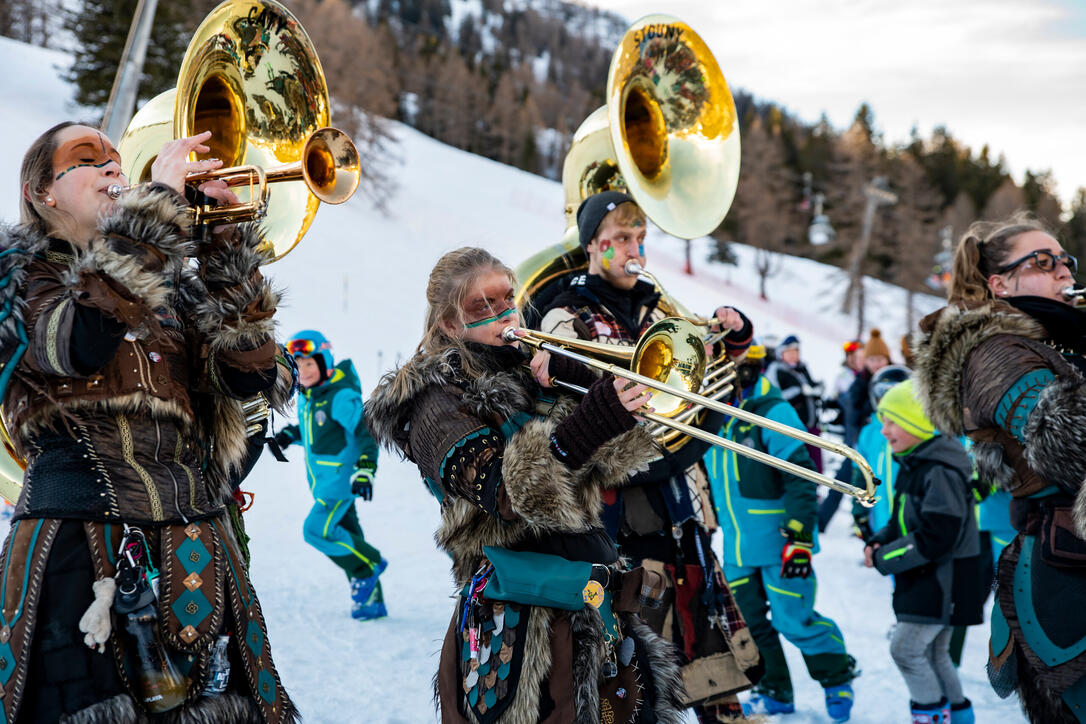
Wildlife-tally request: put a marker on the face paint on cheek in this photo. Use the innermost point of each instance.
(641, 250)
(607, 254)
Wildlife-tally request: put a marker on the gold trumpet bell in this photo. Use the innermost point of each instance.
(673, 125)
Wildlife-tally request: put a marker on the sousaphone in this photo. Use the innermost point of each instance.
(251, 76)
(668, 136)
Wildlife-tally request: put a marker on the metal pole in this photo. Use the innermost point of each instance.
(877, 195)
(122, 97)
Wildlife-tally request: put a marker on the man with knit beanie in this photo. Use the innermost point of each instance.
(663, 518)
(932, 548)
(856, 410)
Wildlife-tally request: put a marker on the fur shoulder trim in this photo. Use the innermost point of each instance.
(154, 215)
(943, 349)
(495, 394)
(237, 310)
(389, 405)
(19, 244)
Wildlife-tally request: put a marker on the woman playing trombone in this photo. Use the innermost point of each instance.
(546, 626)
(124, 367)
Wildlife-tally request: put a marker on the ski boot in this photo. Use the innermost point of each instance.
(839, 701)
(765, 704)
(373, 607)
(362, 588)
(931, 713)
(962, 713)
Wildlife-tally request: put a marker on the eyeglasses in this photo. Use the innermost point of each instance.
(304, 347)
(1044, 260)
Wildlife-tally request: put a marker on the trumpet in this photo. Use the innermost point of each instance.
(673, 356)
(1072, 291)
(329, 166)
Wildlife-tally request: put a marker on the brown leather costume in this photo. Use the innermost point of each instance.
(154, 436)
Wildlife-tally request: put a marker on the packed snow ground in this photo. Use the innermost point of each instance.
(359, 277)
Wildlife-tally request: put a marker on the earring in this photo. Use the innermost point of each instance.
(49, 201)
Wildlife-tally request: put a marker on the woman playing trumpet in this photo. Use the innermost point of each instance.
(125, 587)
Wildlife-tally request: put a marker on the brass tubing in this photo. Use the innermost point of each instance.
(866, 495)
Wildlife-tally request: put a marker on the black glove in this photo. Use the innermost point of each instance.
(283, 439)
(362, 477)
(599, 417)
(797, 554)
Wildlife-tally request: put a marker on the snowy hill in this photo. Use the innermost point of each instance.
(359, 277)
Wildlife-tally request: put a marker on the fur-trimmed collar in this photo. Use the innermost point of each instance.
(942, 347)
(499, 392)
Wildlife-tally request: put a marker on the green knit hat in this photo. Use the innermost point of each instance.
(900, 406)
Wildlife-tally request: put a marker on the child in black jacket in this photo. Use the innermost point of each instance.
(931, 546)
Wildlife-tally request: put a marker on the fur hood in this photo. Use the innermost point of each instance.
(498, 393)
(942, 346)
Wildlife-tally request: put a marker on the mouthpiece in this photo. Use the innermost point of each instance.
(509, 334)
(114, 191)
(1071, 292)
(633, 268)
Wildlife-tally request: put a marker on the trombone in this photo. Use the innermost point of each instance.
(672, 354)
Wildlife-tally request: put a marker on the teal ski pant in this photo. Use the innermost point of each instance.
(790, 603)
(332, 528)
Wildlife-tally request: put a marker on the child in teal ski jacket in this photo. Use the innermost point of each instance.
(340, 463)
(769, 523)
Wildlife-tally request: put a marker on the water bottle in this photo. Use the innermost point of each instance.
(218, 667)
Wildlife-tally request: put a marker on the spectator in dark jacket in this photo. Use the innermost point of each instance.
(799, 389)
(856, 411)
(932, 548)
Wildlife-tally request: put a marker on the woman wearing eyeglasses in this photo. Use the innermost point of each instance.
(1003, 363)
(546, 625)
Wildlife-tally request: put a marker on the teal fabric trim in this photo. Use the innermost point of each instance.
(435, 490)
(463, 441)
(536, 579)
(1038, 640)
(1075, 698)
(1018, 401)
(514, 423)
(999, 633)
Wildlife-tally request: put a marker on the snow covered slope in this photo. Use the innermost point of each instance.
(359, 277)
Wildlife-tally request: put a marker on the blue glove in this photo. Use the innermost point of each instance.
(362, 478)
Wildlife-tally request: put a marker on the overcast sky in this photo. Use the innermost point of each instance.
(1010, 73)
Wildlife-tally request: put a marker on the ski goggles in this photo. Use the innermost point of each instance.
(92, 149)
(1043, 260)
(304, 347)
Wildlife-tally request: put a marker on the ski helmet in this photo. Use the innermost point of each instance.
(883, 380)
(311, 343)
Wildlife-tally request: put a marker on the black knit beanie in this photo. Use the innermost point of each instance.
(592, 210)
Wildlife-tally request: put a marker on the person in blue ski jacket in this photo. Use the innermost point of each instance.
(340, 464)
(876, 451)
(769, 523)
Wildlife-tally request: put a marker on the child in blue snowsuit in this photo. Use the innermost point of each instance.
(340, 462)
(769, 521)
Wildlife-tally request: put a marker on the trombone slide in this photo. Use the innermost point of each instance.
(866, 495)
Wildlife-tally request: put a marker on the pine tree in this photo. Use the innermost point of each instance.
(100, 28)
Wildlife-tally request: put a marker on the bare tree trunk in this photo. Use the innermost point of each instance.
(688, 268)
(909, 298)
